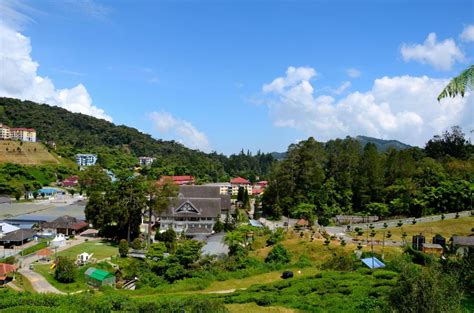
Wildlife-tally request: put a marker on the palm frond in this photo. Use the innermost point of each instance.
(459, 85)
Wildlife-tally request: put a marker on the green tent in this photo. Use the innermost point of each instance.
(97, 278)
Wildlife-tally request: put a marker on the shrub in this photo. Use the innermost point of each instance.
(278, 255)
(66, 271)
(381, 274)
(123, 248)
(339, 261)
(137, 244)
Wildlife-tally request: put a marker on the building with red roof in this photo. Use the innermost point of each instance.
(72, 181)
(178, 180)
(240, 182)
(5, 271)
(20, 133)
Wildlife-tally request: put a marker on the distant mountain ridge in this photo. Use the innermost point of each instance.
(381, 144)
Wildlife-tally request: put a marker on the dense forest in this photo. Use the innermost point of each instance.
(321, 180)
(119, 146)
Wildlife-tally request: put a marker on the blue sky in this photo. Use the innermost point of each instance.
(196, 71)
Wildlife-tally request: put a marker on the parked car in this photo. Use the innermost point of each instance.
(287, 274)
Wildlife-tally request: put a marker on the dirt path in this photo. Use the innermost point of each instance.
(39, 283)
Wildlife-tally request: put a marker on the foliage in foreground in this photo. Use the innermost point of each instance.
(25, 302)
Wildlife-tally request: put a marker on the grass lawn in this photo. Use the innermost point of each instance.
(101, 250)
(23, 283)
(252, 307)
(256, 279)
(77, 285)
(447, 228)
(317, 252)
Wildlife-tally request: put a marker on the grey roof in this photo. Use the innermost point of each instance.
(65, 221)
(207, 207)
(432, 246)
(463, 241)
(18, 235)
(199, 192)
(225, 202)
(198, 230)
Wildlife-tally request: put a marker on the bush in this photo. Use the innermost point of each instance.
(123, 248)
(278, 255)
(137, 244)
(66, 271)
(339, 261)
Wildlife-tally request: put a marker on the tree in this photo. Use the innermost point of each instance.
(159, 196)
(188, 251)
(137, 244)
(168, 237)
(156, 251)
(65, 271)
(305, 211)
(94, 178)
(235, 241)
(459, 84)
(425, 290)
(123, 248)
(451, 143)
(278, 255)
(240, 195)
(218, 225)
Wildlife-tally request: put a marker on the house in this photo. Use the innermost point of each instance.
(195, 210)
(14, 236)
(22, 134)
(238, 182)
(66, 225)
(146, 161)
(6, 273)
(98, 278)
(224, 188)
(50, 192)
(432, 248)
(86, 159)
(463, 245)
(70, 182)
(178, 180)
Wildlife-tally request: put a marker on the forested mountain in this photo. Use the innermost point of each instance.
(119, 146)
(381, 145)
(341, 176)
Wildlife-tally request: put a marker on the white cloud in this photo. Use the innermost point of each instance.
(441, 55)
(181, 130)
(19, 78)
(344, 86)
(353, 72)
(401, 107)
(467, 34)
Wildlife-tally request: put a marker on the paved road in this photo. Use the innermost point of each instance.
(340, 231)
(215, 245)
(38, 282)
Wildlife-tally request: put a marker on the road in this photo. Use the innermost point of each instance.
(340, 231)
(215, 245)
(38, 282)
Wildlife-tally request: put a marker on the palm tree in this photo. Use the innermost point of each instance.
(459, 85)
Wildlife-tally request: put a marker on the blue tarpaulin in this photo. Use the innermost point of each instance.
(373, 262)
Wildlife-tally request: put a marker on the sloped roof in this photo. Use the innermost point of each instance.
(372, 262)
(207, 207)
(18, 235)
(97, 274)
(7, 228)
(463, 241)
(199, 191)
(239, 180)
(65, 221)
(6, 269)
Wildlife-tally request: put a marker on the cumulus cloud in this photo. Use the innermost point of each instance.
(441, 55)
(353, 73)
(185, 133)
(467, 34)
(19, 78)
(401, 107)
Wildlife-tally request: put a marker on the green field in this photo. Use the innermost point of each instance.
(461, 226)
(100, 249)
(26, 153)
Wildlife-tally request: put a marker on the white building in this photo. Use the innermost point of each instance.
(146, 161)
(22, 134)
(224, 188)
(86, 159)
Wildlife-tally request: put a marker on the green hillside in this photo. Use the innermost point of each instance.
(118, 146)
(26, 153)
